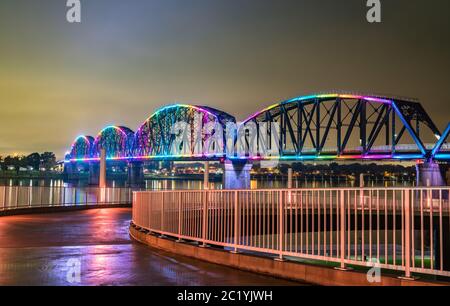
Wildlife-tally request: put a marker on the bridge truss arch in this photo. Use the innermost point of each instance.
(344, 126)
(183, 132)
(117, 142)
(81, 148)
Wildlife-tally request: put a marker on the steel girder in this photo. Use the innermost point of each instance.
(308, 124)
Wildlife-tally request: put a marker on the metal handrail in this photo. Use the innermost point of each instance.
(347, 226)
(22, 197)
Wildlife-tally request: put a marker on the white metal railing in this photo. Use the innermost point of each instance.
(20, 197)
(403, 229)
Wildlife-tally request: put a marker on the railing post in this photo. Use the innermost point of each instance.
(342, 227)
(162, 213)
(236, 222)
(30, 191)
(407, 234)
(281, 226)
(17, 196)
(180, 217)
(204, 217)
(4, 197)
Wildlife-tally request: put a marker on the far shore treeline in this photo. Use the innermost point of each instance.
(36, 161)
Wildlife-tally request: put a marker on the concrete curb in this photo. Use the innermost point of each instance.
(311, 274)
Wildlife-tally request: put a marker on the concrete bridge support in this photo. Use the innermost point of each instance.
(206, 177)
(102, 176)
(69, 170)
(290, 183)
(94, 173)
(136, 174)
(236, 174)
(429, 174)
(97, 171)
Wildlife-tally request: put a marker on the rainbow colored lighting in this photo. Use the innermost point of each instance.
(155, 114)
(141, 138)
(442, 156)
(333, 157)
(321, 96)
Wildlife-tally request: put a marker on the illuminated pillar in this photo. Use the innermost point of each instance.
(290, 173)
(236, 174)
(102, 182)
(361, 180)
(135, 174)
(206, 176)
(429, 174)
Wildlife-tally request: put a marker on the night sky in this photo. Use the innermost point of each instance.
(129, 57)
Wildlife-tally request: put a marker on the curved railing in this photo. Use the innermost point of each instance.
(401, 229)
(21, 197)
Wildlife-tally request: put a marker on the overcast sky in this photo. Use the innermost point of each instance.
(129, 57)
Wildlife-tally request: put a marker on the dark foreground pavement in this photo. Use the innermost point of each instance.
(50, 249)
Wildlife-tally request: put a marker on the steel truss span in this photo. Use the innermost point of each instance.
(345, 126)
(332, 126)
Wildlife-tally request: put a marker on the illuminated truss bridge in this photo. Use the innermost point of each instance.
(335, 126)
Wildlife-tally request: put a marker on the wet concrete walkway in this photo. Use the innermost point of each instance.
(50, 249)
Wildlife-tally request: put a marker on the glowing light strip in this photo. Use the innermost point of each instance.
(335, 157)
(442, 156)
(324, 96)
(282, 158)
(441, 141)
(149, 157)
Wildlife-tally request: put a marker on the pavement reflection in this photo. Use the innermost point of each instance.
(93, 248)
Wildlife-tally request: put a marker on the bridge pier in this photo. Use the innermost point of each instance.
(236, 174)
(135, 173)
(102, 174)
(290, 182)
(206, 176)
(429, 174)
(94, 173)
(69, 169)
(97, 171)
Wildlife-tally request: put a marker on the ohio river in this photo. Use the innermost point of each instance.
(49, 249)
